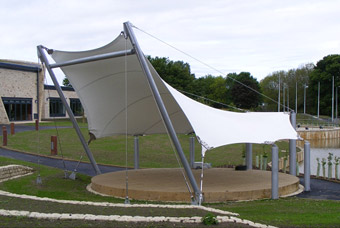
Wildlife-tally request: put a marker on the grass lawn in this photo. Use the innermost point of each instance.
(289, 212)
(155, 150)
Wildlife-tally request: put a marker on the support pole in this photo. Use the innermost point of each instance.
(192, 151)
(307, 166)
(136, 161)
(292, 147)
(249, 156)
(168, 124)
(275, 172)
(44, 60)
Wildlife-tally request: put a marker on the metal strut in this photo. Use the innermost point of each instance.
(168, 124)
(44, 60)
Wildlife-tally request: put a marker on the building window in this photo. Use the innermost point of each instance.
(57, 108)
(76, 106)
(18, 109)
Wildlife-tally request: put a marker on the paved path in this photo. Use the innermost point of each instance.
(22, 127)
(84, 168)
(321, 189)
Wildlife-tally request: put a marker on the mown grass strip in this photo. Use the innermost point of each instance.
(155, 150)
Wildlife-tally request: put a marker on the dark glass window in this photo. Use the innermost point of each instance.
(57, 108)
(76, 106)
(18, 109)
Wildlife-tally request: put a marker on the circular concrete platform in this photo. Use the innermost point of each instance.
(219, 184)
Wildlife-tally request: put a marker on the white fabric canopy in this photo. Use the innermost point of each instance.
(101, 87)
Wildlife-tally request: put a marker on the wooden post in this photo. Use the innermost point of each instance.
(37, 125)
(54, 145)
(4, 136)
(12, 129)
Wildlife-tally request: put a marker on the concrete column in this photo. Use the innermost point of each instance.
(249, 156)
(292, 147)
(136, 161)
(192, 151)
(307, 166)
(275, 172)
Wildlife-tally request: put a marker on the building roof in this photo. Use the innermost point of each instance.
(20, 65)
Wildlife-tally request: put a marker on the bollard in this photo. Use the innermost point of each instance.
(12, 129)
(249, 156)
(4, 136)
(192, 151)
(37, 125)
(54, 147)
(136, 160)
(275, 172)
(307, 166)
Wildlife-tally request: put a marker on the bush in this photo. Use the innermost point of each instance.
(209, 219)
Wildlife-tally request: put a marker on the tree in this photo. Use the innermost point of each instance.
(291, 82)
(323, 72)
(242, 89)
(176, 73)
(213, 88)
(66, 82)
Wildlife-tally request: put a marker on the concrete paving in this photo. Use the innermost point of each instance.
(167, 184)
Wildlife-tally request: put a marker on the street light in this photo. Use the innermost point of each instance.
(336, 103)
(278, 99)
(318, 99)
(332, 99)
(283, 96)
(287, 98)
(304, 98)
(296, 97)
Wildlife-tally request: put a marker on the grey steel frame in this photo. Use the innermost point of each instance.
(129, 33)
(275, 172)
(93, 58)
(292, 147)
(44, 60)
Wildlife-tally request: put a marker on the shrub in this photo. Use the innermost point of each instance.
(209, 219)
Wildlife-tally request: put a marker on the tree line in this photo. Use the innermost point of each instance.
(296, 89)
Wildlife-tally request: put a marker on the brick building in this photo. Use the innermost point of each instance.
(25, 98)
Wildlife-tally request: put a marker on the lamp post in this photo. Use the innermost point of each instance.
(296, 97)
(318, 99)
(283, 96)
(332, 99)
(336, 103)
(287, 98)
(304, 98)
(278, 97)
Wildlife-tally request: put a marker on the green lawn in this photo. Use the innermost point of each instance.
(155, 150)
(288, 212)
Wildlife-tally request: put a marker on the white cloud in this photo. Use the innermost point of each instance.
(259, 36)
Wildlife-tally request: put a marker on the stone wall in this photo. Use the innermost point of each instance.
(13, 170)
(317, 134)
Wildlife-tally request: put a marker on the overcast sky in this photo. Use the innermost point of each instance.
(257, 36)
